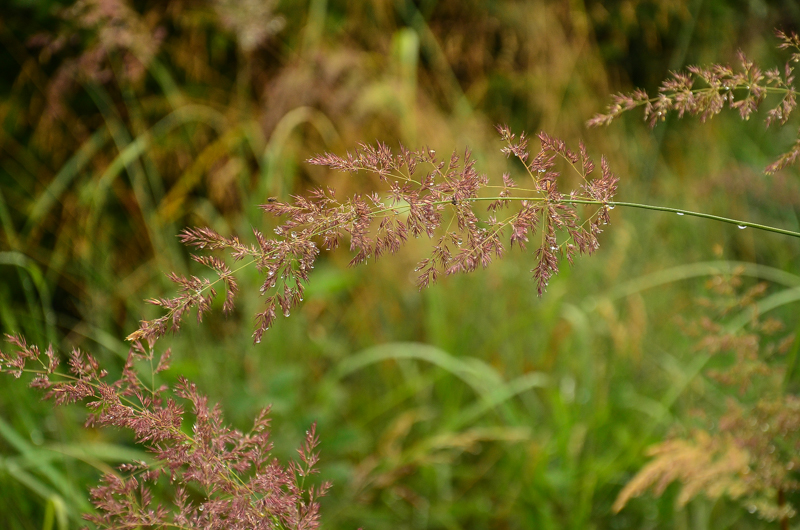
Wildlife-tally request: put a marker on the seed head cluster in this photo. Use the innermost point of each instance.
(743, 89)
(446, 200)
(219, 477)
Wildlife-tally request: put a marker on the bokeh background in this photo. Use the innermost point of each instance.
(472, 404)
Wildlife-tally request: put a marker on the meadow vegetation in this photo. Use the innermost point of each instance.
(651, 385)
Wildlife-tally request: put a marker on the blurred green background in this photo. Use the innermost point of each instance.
(472, 404)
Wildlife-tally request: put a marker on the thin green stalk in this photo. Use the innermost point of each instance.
(612, 204)
(737, 222)
(678, 211)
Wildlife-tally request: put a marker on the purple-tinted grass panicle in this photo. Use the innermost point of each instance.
(234, 481)
(705, 91)
(420, 194)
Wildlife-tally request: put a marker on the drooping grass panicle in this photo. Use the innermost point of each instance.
(743, 88)
(419, 191)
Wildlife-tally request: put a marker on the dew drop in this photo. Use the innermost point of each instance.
(258, 341)
(679, 213)
(286, 313)
(610, 206)
(742, 227)
(279, 230)
(271, 274)
(294, 235)
(751, 509)
(553, 248)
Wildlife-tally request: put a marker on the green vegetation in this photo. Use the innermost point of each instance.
(470, 404)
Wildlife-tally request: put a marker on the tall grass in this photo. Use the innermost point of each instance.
(470, 404)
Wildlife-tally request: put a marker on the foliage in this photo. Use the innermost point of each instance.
(749, 451)
(516, 411)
